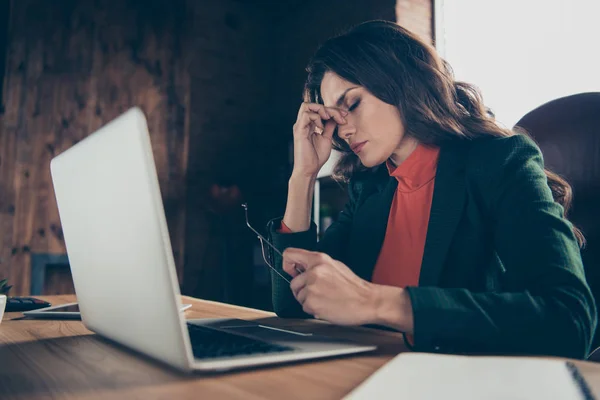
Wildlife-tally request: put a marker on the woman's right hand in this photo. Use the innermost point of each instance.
(313, 137)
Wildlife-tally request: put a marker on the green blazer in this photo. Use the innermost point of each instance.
(501, 271)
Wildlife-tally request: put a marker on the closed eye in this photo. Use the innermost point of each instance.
(353, 106)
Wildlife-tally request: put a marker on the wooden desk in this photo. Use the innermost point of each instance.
(61, 359)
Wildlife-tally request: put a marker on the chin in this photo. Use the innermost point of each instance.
(370, 162)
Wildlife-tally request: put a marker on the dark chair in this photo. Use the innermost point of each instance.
(568, 133)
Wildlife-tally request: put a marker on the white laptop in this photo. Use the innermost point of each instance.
(120, 255)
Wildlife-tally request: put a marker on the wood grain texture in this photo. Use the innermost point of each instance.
(72, 67)
(61, 359)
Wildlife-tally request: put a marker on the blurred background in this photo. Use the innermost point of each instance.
(220, 82)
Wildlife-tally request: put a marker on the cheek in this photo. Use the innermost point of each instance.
(387, 133)
(381, 125)
(393, 128)
(382, 121)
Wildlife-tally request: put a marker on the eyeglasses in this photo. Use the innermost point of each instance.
(263, 240)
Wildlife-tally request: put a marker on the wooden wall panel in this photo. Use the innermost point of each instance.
(143, 48)
(71, 67)
(7, 197)
(12, 123)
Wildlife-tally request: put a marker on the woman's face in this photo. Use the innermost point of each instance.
(374, 129)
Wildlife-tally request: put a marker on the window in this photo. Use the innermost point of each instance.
(521, 53)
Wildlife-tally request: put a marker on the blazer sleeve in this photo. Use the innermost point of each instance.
(545, 306)
(333, 243)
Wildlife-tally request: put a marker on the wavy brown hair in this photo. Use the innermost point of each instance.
(402, 70)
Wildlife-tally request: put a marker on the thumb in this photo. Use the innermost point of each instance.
(303, 259)
(294, 261)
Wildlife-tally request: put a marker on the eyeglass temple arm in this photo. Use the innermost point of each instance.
(298, 270)
(269, 265)
(258, 234)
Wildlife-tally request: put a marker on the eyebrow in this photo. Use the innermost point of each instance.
(341, 99)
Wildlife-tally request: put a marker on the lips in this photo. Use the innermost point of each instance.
(357, 147)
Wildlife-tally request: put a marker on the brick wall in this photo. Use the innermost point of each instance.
(416, 16)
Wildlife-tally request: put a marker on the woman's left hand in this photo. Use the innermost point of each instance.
(328, 289)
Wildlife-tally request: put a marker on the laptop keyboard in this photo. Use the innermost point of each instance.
(212, 343)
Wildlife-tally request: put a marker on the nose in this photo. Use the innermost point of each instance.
(346, 131)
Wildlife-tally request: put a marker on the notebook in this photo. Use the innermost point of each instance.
(434, 376)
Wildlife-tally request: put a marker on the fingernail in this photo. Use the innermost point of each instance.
(344, 113)
(327, 115)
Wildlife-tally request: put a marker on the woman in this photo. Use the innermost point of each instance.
(453, 233)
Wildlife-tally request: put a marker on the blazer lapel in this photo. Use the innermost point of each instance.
(446, 210)
(370, 224)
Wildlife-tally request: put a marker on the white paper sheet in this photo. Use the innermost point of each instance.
(433, 376)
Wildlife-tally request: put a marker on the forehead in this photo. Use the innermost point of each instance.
(332, 87)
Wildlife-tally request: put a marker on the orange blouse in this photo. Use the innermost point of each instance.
(400, 257)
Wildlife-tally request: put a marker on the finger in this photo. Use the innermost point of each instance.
(308, 303)
(319, 109)
(302, 109)
(304, 258)
(311, 118)
(298, 283)
(292, 267)
(337, 114)
(302, 294)
(312, 107)
(299, 269)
